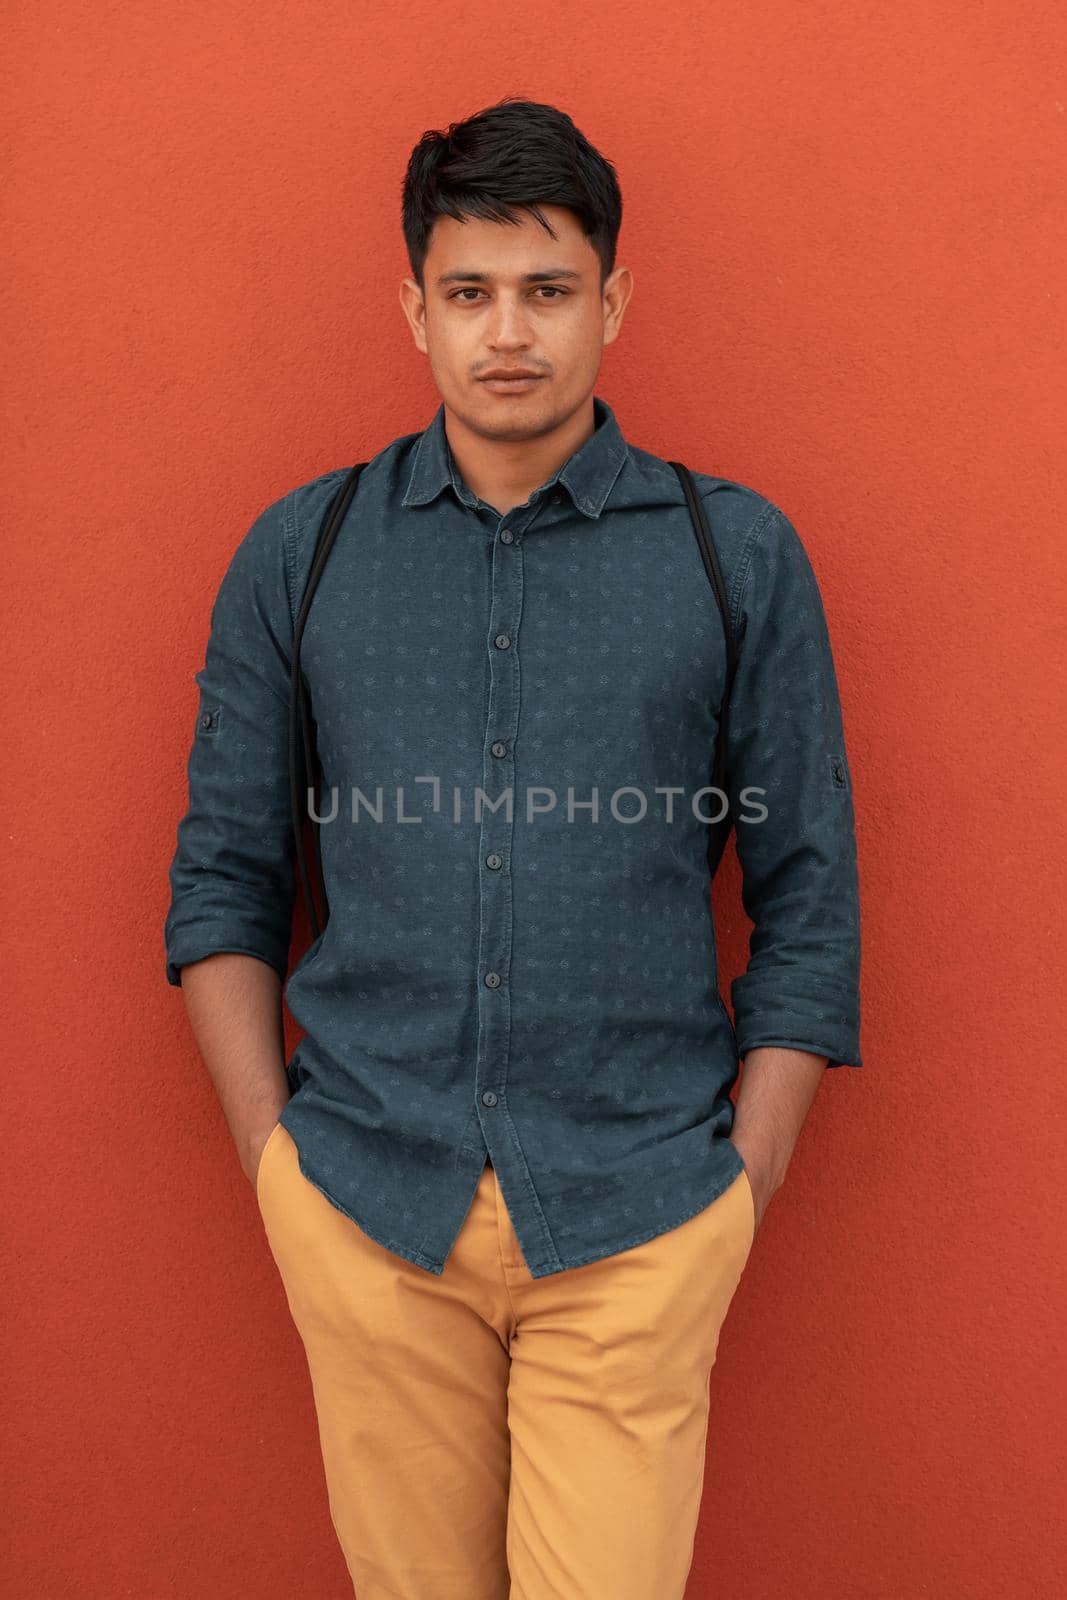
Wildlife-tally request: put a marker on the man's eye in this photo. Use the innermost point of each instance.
(543, 288)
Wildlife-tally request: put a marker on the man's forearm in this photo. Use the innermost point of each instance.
(778, 1086)
(234, 1005)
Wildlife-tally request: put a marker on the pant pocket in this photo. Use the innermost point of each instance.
(743, 1179)
(263, 1154)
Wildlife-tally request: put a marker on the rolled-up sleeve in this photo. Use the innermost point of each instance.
(231, 877)
(786, 743)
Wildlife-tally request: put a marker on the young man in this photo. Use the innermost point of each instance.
(507, 1192)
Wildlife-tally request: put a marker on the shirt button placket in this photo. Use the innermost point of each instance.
(497, 827)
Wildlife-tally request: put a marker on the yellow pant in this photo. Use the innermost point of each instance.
(491, 1436)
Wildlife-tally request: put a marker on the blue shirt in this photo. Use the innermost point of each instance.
(532, 983)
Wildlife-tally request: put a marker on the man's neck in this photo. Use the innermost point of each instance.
(505, 472)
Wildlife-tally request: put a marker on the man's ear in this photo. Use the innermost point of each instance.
(618, 287)
(414, 304)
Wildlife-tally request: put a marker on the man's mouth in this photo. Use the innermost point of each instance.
(508, 385)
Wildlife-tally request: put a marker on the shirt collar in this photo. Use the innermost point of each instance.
(588, 475)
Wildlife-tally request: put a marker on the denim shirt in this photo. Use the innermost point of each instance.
(515, 716)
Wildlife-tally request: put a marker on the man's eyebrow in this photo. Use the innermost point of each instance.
(527, 277)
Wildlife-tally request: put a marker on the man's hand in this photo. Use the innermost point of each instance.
(234, 1004)
(760, 1184)
(777, 1088)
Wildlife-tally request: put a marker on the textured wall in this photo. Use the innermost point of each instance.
(846, 227)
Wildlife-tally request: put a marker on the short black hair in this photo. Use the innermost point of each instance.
(515, 154)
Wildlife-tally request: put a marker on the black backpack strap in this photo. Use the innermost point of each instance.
(303, 761)
(718, 832)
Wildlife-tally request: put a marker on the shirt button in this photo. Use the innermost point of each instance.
(502, 641)
(506, 536)
(205, 720)
(557, 498)
(498, 749)
(492, 980)
(489, 1098)
(494, 861)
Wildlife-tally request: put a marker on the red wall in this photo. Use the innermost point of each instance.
(846, 226)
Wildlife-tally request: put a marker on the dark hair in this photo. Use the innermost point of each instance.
(515, 154)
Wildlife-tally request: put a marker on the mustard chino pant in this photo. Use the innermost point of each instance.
(490, 1436)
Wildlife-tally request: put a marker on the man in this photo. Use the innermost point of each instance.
(506, 1189)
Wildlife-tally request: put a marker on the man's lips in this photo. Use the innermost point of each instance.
(510, 383)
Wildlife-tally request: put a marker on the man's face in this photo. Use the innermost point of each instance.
(502, 296)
